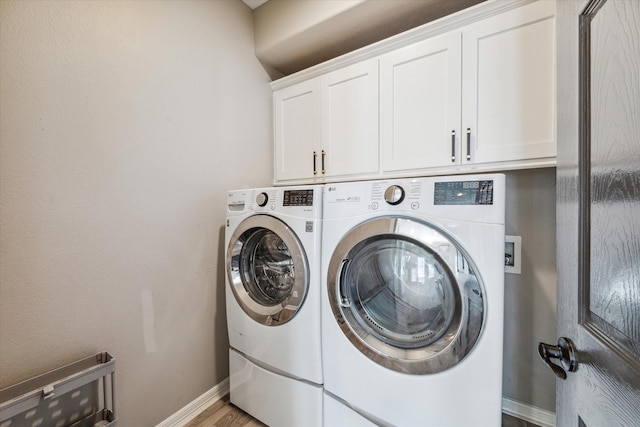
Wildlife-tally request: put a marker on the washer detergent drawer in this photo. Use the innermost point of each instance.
(274, 399)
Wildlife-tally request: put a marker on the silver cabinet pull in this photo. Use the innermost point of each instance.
(453, 145)
(468, 143)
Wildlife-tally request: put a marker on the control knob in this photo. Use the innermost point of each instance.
(394, 195)
(262, 199)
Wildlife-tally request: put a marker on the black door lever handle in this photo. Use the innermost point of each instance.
(566, 354)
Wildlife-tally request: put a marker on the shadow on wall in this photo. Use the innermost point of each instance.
(530, 297)
(221, 335)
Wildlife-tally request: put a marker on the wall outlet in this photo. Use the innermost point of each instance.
(512, 254)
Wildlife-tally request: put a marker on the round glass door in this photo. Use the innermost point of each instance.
(267, 270)
(406, 295)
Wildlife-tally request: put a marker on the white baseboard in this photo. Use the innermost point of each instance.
(193, 409)
(528, 413)
(511, 407)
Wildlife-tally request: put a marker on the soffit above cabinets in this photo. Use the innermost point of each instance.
(254, 3)
(291, 35)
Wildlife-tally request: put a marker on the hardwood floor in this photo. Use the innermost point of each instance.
(224, 414)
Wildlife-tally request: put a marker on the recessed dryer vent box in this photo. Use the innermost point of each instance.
(512, 254)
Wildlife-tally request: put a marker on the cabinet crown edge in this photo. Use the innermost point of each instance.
(430, 29)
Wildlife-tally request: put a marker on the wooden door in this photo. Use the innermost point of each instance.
(598, 210)
(420, 104)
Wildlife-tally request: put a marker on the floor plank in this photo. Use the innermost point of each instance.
(224, 414)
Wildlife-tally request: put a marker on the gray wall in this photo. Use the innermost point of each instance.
(530, 298)
(122, 126)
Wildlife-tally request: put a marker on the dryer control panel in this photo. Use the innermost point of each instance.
(478, 198)
(463, 192)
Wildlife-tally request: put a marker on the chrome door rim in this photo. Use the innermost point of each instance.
(276, 314)
(462, 333)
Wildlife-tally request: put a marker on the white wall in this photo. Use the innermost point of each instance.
(122, 126)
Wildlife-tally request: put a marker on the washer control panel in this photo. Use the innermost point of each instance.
(298, 198)
(262, 199)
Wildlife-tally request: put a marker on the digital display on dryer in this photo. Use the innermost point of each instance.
(298, 198)
(463, 193)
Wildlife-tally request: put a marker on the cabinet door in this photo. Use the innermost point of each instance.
(297, 130)
(420, 104)
(350, 120)
(509, 85)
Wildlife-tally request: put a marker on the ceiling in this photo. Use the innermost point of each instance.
(291, 35)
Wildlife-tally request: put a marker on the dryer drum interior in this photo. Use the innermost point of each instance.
(406, 295)
(267, 270)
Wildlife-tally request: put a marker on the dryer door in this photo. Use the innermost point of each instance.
(406, 295)
(267, 269)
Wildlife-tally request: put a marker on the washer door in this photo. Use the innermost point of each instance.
(267, 270)
(406, 295)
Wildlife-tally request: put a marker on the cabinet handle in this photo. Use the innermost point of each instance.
(453, 145)
(468, 143)
(324, 153)
(315, 170)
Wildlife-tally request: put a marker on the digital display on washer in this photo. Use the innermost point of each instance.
(463, 193)
(298, 198)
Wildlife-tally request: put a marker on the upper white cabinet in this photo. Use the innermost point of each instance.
(297, 130)
(420, 104)
(446, 98)
(483, 94)
(350, 120)
(509, 85)
(328, 126)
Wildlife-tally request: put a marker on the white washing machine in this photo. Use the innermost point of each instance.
(412, 304)
(272, 292)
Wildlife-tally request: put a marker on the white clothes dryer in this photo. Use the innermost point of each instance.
(272, 292)
(412, 304)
